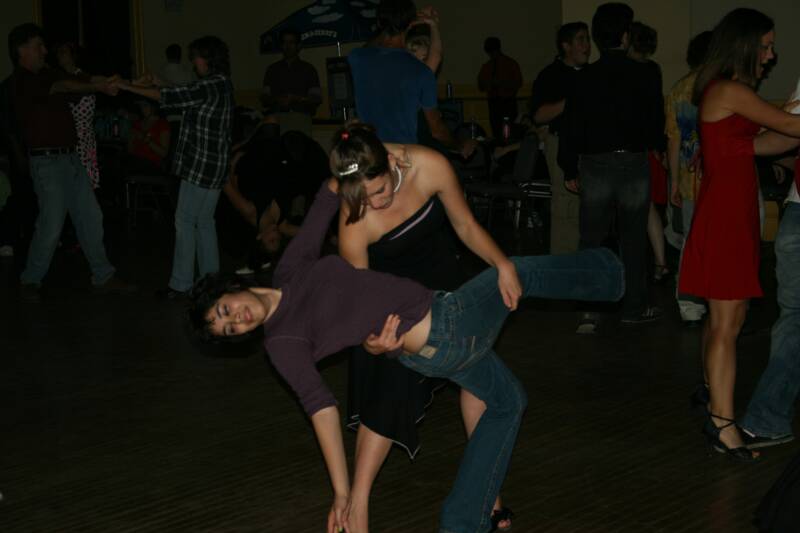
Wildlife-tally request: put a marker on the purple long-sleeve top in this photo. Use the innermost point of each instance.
(327, 305)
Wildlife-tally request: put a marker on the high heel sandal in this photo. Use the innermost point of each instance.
(499, 515)
(700, 398)
(712, 433)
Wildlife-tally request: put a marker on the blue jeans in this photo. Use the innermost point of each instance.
(464, 327)
(691, 307)
(615, 187)
(195, 232)
(62, 186)
(771, 408)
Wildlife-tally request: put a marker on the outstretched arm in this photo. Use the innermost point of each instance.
(329, 435)
(305, 248)
(440, 179)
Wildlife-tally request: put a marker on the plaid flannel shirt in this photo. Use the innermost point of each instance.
(204, 144)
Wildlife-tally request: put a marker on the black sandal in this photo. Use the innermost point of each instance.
(498, 515)
(712, 432)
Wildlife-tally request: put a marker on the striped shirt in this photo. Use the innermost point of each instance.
(204, 143)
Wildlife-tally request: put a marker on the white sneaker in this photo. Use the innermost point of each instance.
(6, 251)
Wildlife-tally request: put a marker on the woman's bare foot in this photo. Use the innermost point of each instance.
(502, 524)
(358, 517)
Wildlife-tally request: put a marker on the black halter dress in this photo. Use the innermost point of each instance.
(383, 394)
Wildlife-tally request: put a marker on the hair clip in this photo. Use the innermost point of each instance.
(345, 135)
(351, 169)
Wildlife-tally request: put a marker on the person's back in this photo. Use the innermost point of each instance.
(391, 86)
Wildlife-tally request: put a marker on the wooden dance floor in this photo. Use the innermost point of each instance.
(112, 421)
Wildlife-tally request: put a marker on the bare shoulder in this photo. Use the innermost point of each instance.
(723, 99)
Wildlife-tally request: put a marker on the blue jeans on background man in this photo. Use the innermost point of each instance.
(771, 408)
(464, 327)
(615, 186)
(62, 186)
(195, 233)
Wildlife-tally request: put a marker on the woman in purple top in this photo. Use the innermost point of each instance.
(322, 305)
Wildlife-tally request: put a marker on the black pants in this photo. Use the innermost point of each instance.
(616, 186)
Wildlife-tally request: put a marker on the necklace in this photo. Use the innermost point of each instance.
(399, 179)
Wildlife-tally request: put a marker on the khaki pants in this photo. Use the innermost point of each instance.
(564, 205)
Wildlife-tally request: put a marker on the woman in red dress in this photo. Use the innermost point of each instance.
(721, 257)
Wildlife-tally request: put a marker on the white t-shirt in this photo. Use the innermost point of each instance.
(793, 196)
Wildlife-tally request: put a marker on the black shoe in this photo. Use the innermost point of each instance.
(650, 314)
(712, 432)
(754, 442)
(692, 324)
(114, 285)
(171, 294)
(30, 293)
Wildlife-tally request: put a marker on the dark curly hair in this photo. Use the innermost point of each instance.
(214, 51)
(357, 144)
(204, 296)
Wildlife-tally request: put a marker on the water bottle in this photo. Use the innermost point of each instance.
(449, 89)
(473, 129)
(506, 129)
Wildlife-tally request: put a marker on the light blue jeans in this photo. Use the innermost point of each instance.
(691, 307)
(62, 186)
(464, 327)
(771, 408)
(195, 233)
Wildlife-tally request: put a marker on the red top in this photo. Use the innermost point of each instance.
(140, 148)
(721, 256)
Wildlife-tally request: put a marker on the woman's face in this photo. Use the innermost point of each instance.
(380, 190)
(65, 59)
(766, 51)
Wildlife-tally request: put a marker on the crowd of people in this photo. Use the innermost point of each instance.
(619, 155)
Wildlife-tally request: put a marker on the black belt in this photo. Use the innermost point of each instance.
(36, 152)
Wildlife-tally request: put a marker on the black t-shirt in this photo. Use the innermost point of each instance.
(554, 83)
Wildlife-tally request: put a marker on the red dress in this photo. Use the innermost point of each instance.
(721, 256)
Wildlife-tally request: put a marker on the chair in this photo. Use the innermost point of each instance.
(150, 192)
(517, 190)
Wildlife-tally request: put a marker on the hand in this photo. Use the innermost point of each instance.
(145, 80)
(780, 173)
(791, 106)
(337, 517)
(387, 341)
(573, 185)
(675, 196)
(468, 147)
(333, 185)
(399, 152)
(426, 15)
(111, 89)
(509, 284)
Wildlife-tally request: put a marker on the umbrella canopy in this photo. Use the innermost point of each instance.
(325, 23)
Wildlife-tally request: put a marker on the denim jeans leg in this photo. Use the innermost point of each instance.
(50, 176)
(691, 307)
(633, 205)
(597, 201)
(207, 249)
(88, 221)
(468, 506)
(771, 408)
(185, 223)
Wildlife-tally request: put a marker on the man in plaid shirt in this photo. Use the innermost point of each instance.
(201, 157)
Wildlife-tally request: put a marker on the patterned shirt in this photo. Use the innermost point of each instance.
(681, 124)
(204, 143)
